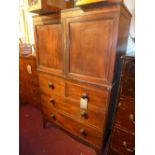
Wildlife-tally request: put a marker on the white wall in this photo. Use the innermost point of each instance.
(131, 6)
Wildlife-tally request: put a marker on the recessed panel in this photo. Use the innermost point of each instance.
(89, 47)
(50, 46)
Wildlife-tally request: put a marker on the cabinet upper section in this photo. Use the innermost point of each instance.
(82, 44)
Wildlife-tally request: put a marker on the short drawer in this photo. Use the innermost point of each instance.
(96, 97)
(93, 115)
(128, 87)
(123, 142)
(125, 115)
(75, 127)
(51, 85)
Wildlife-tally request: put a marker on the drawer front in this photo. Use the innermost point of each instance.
(128, 87)
(93, 116)
(51, 85)
(74, 127)
(129, 68)
(127, 110)
(96, 97)
(123, 142)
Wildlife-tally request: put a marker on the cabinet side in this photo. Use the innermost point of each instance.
(123, 33)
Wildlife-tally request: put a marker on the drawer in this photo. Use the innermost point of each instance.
(96, 97)
(123, 142)
(74, 127)
(51, 85)
(126, 109)
(128, 87)
(93, 115)
(128, 69)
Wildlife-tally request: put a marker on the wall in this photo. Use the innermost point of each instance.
(131, 6)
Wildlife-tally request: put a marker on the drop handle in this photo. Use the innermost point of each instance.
(84, 96)
(52, 101)
(126, 147)
(131, 117)
(83, 114)
(53, 116)
(83, 132)
(51, 85)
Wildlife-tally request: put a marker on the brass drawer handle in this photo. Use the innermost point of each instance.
(84, 96)
(53, 116)
(51, 85)
(83, 132)
(52, 100)
(83, 114)
(131, 117)
(126, 147)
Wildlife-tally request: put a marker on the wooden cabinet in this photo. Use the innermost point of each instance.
(78, 59)
(122, 138)
(48, 6)
(28, 81)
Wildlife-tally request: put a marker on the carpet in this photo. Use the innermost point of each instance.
(36, 140)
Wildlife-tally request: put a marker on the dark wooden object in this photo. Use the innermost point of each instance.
(78, 58)
(49, 6)
(123, 135)
(28, 81)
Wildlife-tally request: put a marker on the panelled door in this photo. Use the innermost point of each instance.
(50, 46)
(90, 47)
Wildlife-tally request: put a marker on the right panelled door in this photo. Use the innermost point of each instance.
(90, 50)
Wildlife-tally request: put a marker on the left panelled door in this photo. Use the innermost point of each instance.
(50, 47)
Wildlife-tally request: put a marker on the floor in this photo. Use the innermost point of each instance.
(36, 140)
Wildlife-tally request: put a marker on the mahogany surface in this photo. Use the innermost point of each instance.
(78, 55)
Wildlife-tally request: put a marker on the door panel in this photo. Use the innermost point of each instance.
(89, 49)
(50, 46)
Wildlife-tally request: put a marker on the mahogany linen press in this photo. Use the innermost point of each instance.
(78, 63)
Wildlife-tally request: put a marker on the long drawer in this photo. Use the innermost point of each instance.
(51, 85)
(93, 115)
(125, 115)
(75, 127)
(123, 142)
